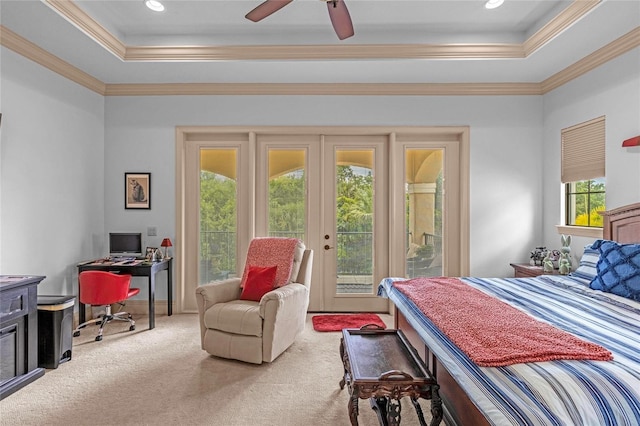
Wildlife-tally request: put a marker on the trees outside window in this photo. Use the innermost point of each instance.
(584, 199)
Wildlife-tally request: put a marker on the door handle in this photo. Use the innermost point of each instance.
(327, 246)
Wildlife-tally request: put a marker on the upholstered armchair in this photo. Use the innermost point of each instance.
(258, 316)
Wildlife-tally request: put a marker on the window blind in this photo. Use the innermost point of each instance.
(583, 151)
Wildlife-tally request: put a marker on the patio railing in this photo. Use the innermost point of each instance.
(218, 252)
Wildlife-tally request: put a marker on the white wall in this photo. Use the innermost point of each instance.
(52, 155)
(140, 136)
(612, 90)
(65, 150)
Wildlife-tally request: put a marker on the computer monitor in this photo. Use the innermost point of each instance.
(125, 244)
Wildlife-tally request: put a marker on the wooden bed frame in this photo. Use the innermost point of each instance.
(621, 225)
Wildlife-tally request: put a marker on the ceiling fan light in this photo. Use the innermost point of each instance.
(492, 4)
(154, 5)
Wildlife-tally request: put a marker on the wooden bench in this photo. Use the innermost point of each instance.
(382, 365)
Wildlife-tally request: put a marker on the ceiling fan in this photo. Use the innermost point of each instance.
(340, 18)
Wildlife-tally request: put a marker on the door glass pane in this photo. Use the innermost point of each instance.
(423, 195)
(287, 193)
(354, 221)
(218, 195)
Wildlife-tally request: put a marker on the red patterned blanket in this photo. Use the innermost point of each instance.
(491, 332)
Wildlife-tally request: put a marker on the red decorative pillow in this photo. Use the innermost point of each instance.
(259, 282)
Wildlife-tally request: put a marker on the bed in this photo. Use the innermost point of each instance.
(550, 392)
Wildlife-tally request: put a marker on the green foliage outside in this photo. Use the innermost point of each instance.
(591, 219)
(354, 202)
(287, 193)
(354, 221)
(287, 215)
(584, 200)
(217, 226)
(286, 205)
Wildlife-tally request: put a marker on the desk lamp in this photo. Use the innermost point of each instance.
(166, 243)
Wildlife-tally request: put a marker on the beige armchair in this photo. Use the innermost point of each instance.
(253, 331)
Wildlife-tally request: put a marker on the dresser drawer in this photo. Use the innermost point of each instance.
(14, 304)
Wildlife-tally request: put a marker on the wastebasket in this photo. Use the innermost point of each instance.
(55, 330)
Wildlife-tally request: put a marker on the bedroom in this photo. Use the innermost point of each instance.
(65, 149)
(76, 170)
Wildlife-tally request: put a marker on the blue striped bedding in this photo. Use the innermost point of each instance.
(554, 392)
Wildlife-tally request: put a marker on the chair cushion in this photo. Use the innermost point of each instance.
(259, 282)
(237, 316)
(274, 251)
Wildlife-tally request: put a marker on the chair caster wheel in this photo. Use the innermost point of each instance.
(76, 333)
(98, 338)
(133, 327)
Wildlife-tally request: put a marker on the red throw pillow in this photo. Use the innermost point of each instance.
(259, 282)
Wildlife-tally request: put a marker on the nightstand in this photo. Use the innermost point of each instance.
(527, 270)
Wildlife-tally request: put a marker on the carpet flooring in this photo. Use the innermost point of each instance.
(163, 377)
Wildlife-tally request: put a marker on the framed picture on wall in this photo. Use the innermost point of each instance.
(137, 191)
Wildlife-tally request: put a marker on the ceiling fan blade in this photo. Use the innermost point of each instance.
(265, 9)
(340, 19)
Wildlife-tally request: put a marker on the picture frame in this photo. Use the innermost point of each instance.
(150, 251)
(137, 191)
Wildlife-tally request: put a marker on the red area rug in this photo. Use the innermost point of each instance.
(340, 321)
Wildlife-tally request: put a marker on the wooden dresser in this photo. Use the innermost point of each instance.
(18, 332)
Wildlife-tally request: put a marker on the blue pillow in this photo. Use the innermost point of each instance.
(618, 269)
(587, 267)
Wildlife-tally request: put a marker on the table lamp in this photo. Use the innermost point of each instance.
(166, 243)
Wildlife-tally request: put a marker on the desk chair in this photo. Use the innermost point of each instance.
(105, 288)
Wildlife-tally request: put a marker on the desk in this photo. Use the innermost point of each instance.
(146, 269)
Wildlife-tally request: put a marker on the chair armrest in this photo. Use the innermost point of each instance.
(208, 295)
(223, 291)
(283, 311)
(285, 295)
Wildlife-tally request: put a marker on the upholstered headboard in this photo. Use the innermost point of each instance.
(622, 224)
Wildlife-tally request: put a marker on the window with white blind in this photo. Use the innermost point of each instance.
(583, 172)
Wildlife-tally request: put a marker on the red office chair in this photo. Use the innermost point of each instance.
(104, 288)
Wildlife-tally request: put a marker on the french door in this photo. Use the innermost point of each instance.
(369, 203)
(354, 222)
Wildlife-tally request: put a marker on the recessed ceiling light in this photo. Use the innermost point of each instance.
(154, 5)
(492, 4)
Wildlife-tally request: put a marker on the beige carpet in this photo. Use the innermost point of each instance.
(162, 377)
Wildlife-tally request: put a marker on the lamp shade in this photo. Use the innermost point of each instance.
(166, 243)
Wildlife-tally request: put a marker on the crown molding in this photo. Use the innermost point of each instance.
(70, 11)
(570, 15)
(323, 52)
(29, 50)
(627, 42)
(346, 89)
(85, 23)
